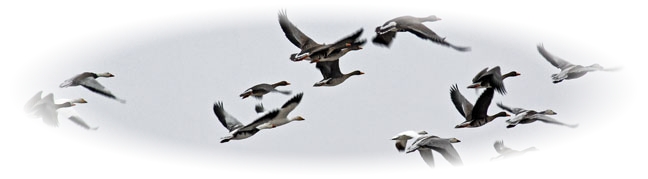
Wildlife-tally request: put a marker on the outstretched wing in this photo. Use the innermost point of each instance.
(225, 118)
(461, 103)
(293, 33)
(290, 105)
(555, 61)
(511, 110)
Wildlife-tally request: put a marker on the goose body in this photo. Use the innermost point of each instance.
(475, 116)
(568, 70)
(402, 138)
(88, 80)
(259, 90)
(238, 131)
(282, 117)
(311, 50)
(387, 32)
(426, 143)
(492, 78)
(332, 75)
(524, 116)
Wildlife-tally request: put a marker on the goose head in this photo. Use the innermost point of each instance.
(105, 74)
(298, 118)
(510, 74)
(281, 83)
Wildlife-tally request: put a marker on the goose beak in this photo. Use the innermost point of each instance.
(474, 86)
(83, 101)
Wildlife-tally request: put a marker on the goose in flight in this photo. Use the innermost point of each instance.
(505, 152)
(48, 109)
(402, 138)
(492, 78)
(88, 80)
(259, 90)
(524, 116)
(426, 143)
(568, 70)
(312, 50)
(272, 119)
(476, 115)
(387, 32)
(332, 75)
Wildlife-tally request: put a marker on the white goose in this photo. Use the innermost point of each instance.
(402, 138)
(426, 143)
(48, 109)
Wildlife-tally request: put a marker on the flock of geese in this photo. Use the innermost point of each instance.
(327, 60)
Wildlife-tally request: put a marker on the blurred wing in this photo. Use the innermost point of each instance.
(511, 110)
(427, 156)
(259, 108)
(293, 34)
(500, 148)
(342, 43)
(479, 75)
(77, 120)
(448, 152)
(29, 106)
(225, 118)
(329, 69)
(555, 61)
(384, 39)
(94, 86)
(461, 103)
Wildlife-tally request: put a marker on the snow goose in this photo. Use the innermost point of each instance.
(47, 109)
(332, 75)
(309, 48)
(88, 80)
(426, 143)
(237, 130)
(387, 32)
(568, 70)
(492, 78)
(259, 90)
(505, 152)
(524, 116)
(402, 138)
(475, 116)
(282, 118)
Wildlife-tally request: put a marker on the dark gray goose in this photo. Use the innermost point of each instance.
(387, 32)
(426, 143)
(311, 50)
(568, 70)
(237, 130)
(524, 116)
(88, 80)
(259, 90)
(476, 115)
(332, 75)
(402, 138)
(492, 78)
(505, 152)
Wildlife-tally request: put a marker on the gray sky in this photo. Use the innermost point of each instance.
(173, 63)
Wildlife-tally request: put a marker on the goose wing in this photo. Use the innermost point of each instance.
(511, 110)
(500, 148)
(480, 110)
(77, 120)
(93, 85)
(461, 103)
(29, 106)
(227, 120)
(427, 156)
(479, 75)
(329, 69)
(494, 78)
(555, 61)
(261, 120)
(293, 33)
(445, 148)
(424, 32)
(290, 105)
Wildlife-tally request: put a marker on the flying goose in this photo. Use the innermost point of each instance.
(332, 75)
(88, 80)
(259, 90)
(282, 118)
(309, 48)
(492, 78)
(47, 109)
(387, 32)
(505, 152)
(426, 143)
(524, 116)
(237, 130)
(568, 70)
(402, 138)
(475, 116)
